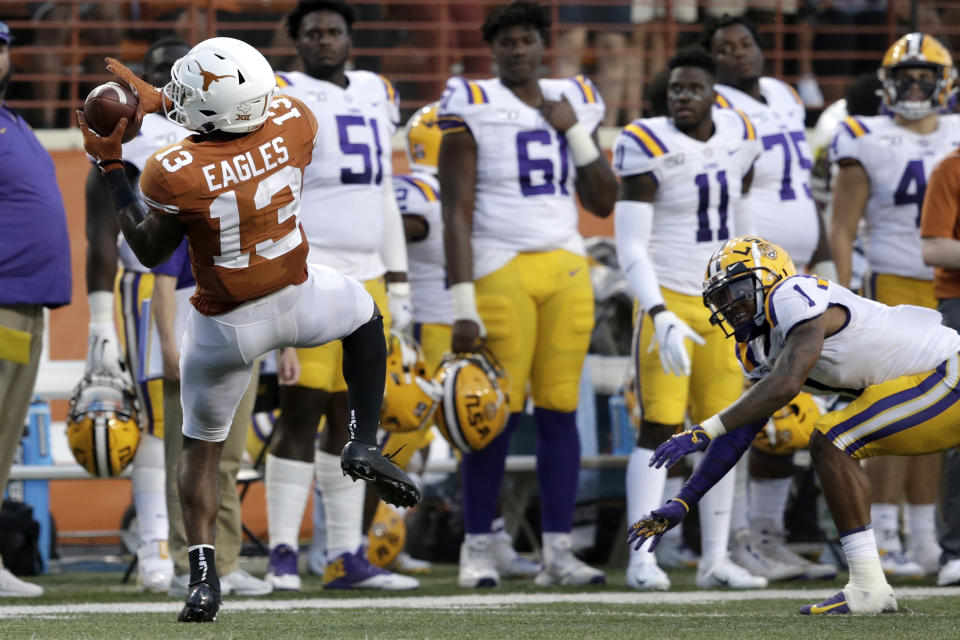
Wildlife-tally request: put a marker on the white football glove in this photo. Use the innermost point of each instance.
(103, 355)
(401, 306)
(669, 334)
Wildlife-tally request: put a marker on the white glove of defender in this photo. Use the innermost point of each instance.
(669, 334)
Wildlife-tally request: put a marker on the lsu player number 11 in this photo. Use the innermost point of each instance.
(233, 190)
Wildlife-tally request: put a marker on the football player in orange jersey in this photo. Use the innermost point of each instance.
(233, 189)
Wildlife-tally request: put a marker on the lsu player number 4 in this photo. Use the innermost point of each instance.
(233, 191)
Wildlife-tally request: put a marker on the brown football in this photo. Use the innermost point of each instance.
(107, 105)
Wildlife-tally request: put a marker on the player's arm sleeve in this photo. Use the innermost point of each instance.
(394, 252)
(155, 188)
(796, 300)
(391, 103)
(941, 203)
(721, 456)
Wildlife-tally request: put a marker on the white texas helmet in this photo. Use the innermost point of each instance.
(222, 84)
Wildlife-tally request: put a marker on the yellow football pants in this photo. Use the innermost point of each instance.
(538, 311)
(131, 290)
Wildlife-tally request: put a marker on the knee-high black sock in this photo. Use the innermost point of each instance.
(364, 370)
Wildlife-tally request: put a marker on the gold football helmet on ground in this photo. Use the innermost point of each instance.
(102, 424)
(739, 276)
(474, 407)
(790, 428)
(911, 51)
(410, 396)
(423, 139)
(387, 535)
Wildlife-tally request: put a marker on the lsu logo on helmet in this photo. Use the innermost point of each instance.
(102, 424)
(410, 396)
(423, 139)
(739, 275)
(916, 50)
(473, 409)
(790, 428)
(387, 535)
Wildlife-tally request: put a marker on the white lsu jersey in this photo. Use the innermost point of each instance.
(156, 132)
(897, 162)
(699, 185)
(525, 183)
(342, 202)
(418, 194)
(878, 342)
(784, 211)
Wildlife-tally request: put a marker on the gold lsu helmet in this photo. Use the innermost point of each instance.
(102, 424)
(917, 50)
(790, 428)
(739, 275)
(473, 409)
(423, 139)
(386, 537)
(410, 396)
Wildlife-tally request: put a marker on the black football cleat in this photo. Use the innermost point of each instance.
(202, 604)
(363, 461)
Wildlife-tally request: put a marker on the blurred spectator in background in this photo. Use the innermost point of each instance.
(34, 273)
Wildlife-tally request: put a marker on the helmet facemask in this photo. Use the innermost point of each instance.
(736, 305)
(896, 86)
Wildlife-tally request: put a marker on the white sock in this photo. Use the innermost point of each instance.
(863, 559)
(319, 540)
(671, 488)
(738, 510)
(886, 523)
(288, 485)
(149, 489)
(644, 494)
(342, 505)
(768, 499)
(715, 509)
(920, 520)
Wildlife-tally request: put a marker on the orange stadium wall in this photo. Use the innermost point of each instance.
(68, 335)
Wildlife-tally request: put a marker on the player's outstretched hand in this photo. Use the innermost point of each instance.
(559, 113)
(103, 148)
(151, 98)
(656, 524)
(680, 445)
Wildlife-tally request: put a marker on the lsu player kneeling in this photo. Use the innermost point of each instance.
(900, 365)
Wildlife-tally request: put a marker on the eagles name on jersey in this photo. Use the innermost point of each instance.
(418, 194)
(699, 186)
(898, 162)
(525, 171)
(877, 343)
(155, 133)
(783, 207)
(351, 160)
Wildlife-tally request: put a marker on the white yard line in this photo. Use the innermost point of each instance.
(462, 601)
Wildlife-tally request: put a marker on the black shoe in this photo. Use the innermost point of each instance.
(202, 604)
(363, 461)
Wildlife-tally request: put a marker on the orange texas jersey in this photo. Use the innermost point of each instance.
(239, 201)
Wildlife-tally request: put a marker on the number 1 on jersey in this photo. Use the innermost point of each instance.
(702, 181)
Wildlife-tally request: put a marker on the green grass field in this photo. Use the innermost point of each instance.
(98, 606)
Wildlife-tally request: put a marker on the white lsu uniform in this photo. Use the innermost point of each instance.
(699, 187)
(878, 342)
(417, 195)
(897, 162)
(525, 183)
(784, 211)
(342, 211)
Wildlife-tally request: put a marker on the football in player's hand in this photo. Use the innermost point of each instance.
(107, 105)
